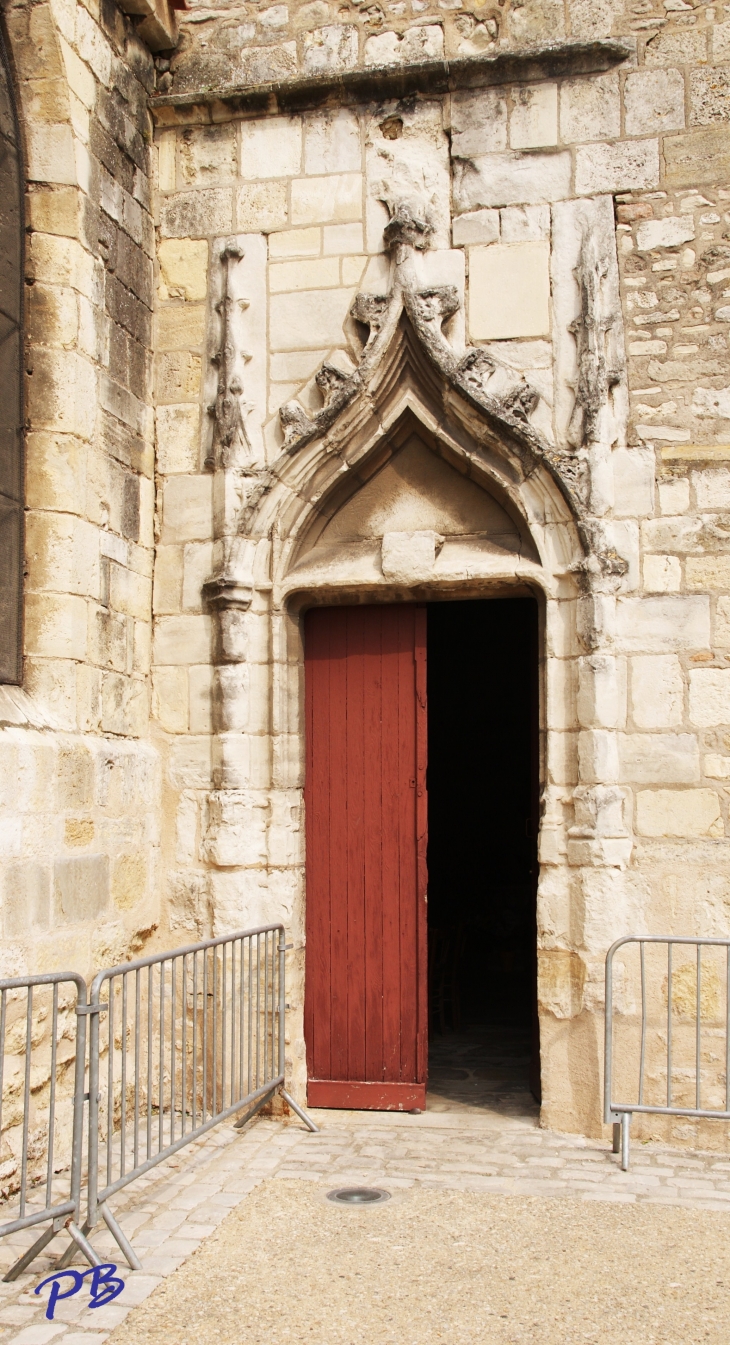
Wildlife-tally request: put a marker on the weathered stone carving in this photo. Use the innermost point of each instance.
(597, 373)
(231, 445)
(489, 386)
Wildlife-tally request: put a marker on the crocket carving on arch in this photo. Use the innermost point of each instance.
(474, 374)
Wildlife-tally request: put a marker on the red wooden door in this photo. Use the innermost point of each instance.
(366, 952)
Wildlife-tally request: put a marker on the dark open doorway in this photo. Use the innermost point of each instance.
(482, 849)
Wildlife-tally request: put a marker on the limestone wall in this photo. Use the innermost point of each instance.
(509, 175)
(80, 807)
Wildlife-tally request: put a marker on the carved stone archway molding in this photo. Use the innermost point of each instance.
(475, 414)
(470, 373)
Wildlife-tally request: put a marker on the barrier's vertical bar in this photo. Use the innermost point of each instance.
(93, 1100)
(250, 1013)
(669, 1022)
(282, 999)
(150, 1000)
(642, 1061)
(123, 1075)
(205, 1036)
(110, 1083)
(195, 1039)
(52, 1097)
(258, 1010)
(173, 1031)
(241, 1017)
(161, 1063)
(698, 1030)
(184, 1043)
(608, 1038)
(26, 1100)
(77, 1124)
(137, 1057)
(224, 978)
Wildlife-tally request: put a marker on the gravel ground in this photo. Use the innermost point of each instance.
(444, 1266)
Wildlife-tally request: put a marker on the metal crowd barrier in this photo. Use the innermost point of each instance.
(42, 1130)
(178, 1042)
(682, 1036)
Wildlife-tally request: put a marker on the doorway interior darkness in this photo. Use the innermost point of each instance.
(482, 845)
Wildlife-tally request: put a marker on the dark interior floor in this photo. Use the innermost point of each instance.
(482, 1067)
(482, 857)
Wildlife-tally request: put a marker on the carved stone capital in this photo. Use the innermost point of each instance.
(223, 592)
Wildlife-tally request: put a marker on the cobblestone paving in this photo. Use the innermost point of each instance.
(494, 1148)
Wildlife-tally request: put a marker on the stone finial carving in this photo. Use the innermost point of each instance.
(597, 373)
(231, 445)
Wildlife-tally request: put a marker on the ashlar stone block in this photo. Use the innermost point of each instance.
(187, 509)
(678, 812)
(662, 625)
(321, 273)
(534, 117)
(262, 207)
(80, 888)
(271, 147)
(662, 574)
(339, 239)
(709, 697)
(511, 179)
(308, 320)
(722, 624)
(708, 572)
(709, 96)
(509, 291)
(180, 326)
(478, 226)
(524, 223)
(195, 214)
(332, 142)
(478, 123)
(590, 109)
(296, 243)
(179, 640)
(207, 154)
(630, 165)
(170, 699)
(659, 758)
(656, 691)
(654, 102)
(184, 268)
(323, 200)
(177, 438)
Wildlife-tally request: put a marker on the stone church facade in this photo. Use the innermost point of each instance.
(266, 254)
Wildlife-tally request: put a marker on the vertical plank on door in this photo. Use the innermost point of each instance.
(366, 962)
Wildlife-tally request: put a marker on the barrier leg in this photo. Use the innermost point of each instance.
(47, 1236)
(625, 1138)
(122, 1242)
(309, 1123)
(82, 1243)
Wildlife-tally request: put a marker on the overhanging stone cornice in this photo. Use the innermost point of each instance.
(528, 65)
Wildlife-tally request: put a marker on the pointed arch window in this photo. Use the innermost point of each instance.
(11, 387)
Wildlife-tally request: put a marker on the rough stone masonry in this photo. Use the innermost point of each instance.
(228, 228)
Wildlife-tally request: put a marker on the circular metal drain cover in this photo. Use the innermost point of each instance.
(358, 1195)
